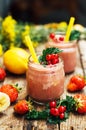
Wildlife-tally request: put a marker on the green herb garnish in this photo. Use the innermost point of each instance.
(69, 102)
(53, 50)
(75, 35)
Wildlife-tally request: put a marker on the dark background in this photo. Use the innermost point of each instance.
(44, 11)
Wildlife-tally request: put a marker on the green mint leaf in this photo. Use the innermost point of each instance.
(69, 102)
(53, 50)
(56, 119)
(34, 114)
(75, 35)
(53, 120)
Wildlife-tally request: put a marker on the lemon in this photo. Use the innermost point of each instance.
(4, 101)
(16, 60)
(62, 25)
(1, 50)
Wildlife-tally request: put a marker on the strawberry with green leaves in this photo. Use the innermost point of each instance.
(58, 111)
(22, 107)
(80, 104)
(11, 91)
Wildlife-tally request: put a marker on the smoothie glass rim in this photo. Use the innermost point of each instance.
(45, 68)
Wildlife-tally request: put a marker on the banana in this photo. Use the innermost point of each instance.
(4, 101)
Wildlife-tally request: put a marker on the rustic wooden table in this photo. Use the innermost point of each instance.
(8, 121)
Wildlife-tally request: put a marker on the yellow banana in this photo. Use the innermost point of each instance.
(4, 101)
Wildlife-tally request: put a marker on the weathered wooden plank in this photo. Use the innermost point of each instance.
(8, 121)
(75, 122)
(82, 47)
(16, 127)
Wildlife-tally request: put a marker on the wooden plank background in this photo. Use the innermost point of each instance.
(8, 120)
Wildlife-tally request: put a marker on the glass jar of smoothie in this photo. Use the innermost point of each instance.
(45, 83)
(68, 55)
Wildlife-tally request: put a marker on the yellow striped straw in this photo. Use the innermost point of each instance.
(71, 22)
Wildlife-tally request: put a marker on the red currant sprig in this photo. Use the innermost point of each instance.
(54, 111)
(52, 104)
(52, 59)
(57, 111)
(62, 110)
(59, 39)
(56, 38)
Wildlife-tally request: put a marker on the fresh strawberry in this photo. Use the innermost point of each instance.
(80, 105)
(79, 81)
(21, 107)
(76, 83)
(72, 87)
(2, 74)
(11, 91)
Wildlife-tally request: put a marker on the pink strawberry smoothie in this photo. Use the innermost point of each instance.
(45, 83)
(68, 55)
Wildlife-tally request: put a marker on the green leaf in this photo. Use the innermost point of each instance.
(69, 102)
(47, 51)
(37, 114)
(75, 35)
(39, 34)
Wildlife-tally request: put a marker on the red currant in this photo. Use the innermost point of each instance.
(62, 116)
(52, 104)
(48, 57)
(56, 55)
(61, 38)
(62, 109)
(54, 111)
(54, 61)
(52, 35)
(53, 56)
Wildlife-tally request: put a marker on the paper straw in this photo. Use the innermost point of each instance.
(31, 48)
(71, 22)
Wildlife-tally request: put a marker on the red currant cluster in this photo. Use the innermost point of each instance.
(52, 59)
(57, 111)
(56, 38)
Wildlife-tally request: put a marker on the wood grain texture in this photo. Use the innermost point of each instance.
(9, 121)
